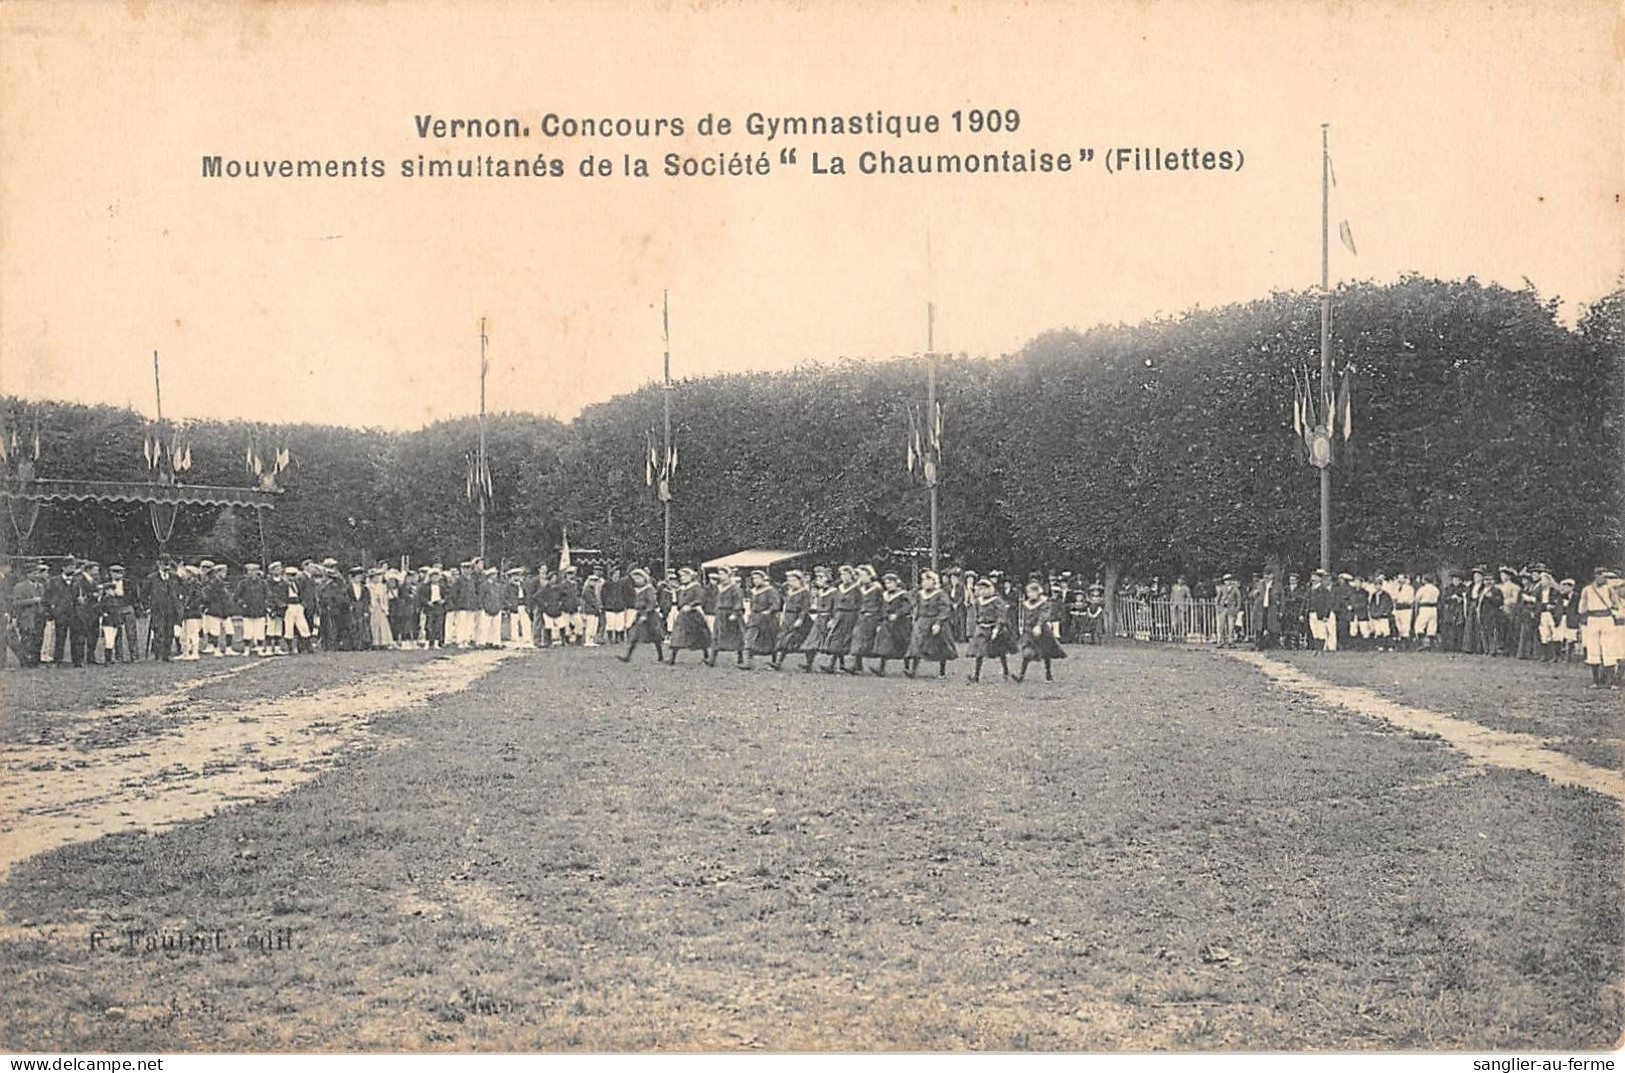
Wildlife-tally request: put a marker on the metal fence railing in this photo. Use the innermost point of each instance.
(1186, 622)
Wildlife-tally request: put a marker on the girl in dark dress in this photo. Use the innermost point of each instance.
(822, 603)
(838, 642)
(869, 619)
(795, 619)
(690, 630)
(1037, 630)
(646, 623)
(896, 622)
(730, 617)
(992, 637)
(931, 636)
(762, 623)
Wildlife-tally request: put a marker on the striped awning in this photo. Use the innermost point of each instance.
(202, 495)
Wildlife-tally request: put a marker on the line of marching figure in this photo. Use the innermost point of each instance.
(842, 620)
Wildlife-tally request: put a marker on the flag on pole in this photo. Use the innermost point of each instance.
(649, 459)
(936, 434)
(1346, 233)
(564, 552)
(1344, 406)
(36, 437)
(146, 448)
(468, 488)
(913, 439)
(186, 458)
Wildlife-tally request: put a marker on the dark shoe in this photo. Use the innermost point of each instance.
(624, 659)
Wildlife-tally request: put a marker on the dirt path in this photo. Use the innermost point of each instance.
(1483, 745)
(52, 795)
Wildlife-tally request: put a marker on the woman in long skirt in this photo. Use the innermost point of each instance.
(690, 630)
(821, 609)
(896, 621)
(730, 617)
(1038, 640)
(378, 610)
(646, 621)
(762, 622)
(992, 637)
(795, 617)
(845, 619)
(870, 592)
(931, 637)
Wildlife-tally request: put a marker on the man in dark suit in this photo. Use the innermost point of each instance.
(28, 612)
(164, 605)
(85, 589)
(59, 610)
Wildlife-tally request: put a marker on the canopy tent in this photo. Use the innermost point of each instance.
(752, 559)
(24, 493)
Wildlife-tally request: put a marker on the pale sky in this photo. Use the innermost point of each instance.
(1469, 139)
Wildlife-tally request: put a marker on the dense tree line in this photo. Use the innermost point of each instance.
(1483, 428)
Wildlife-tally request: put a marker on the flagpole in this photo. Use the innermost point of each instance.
(157, 388)
(931, 404)
(665, 392)
(931, 426)
(1325, 339)
(480, 473)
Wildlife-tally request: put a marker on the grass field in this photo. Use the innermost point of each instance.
(1157, 851)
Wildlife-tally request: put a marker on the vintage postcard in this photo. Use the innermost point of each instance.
(812, 527)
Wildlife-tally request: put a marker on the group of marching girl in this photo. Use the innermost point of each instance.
(854, 617)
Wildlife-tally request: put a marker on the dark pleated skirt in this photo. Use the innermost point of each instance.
(934, 647)
(691, 630)
(730, 632)
(792, 638)
(841, 626)
(991, 642)
(1044, 646)
(762, 635)
(863, 635)
(647, 627)
(891, 640)
(817, 634)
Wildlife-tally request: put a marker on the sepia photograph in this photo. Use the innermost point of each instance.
(839, 527)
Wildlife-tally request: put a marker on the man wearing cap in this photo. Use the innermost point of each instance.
(592, 609)
(291, 588)
(58, 612)
(1322, 612)
(84, 625)
(252, 597)
(1227, 605)
(164, 605)
(1425, 610)
(1569, 619)
(489, 630)
(1381, 612)
(1548, 602)
(120, 600)
(216, 607)
(1598, 605)
(28, 612)
(332, 603)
